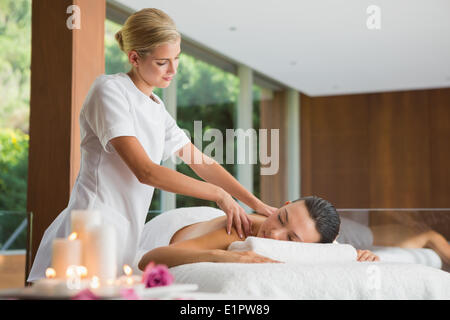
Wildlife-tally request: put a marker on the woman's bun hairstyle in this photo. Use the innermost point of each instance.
(145, 30)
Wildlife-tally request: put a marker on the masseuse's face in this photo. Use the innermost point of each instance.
(291, 222)
(159, 67)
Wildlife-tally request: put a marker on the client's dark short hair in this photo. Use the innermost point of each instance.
(324, 215)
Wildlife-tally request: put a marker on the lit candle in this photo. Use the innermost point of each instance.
(73, 276)
(100, 252)
(82, 271)
(128, 280)
(50, 273)
(49, 286)
(65, 252)
(81, 221)
(103, 288)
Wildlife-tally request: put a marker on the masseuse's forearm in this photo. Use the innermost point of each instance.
(216, 174)
(170, 180)
(173, 256)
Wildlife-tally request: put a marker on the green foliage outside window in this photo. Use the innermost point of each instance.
(13, 169)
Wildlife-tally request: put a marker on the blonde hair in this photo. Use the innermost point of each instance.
(145, 30)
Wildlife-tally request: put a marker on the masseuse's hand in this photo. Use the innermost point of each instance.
(235, 214)
(265, 209)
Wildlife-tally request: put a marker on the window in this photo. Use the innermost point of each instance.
(208, 94)
(15, 62)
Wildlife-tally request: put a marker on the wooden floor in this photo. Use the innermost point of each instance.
(12, 271)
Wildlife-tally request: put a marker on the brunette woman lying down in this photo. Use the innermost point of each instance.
(175, 237)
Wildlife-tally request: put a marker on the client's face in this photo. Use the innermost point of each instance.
(291, 222)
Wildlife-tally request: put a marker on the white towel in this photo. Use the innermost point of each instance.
(289, 251)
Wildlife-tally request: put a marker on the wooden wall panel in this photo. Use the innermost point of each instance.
(272, 116)
(334, 149)
(12, 271)
(399, 150)
(439, 106)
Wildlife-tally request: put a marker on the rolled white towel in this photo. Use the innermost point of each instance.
(288, 251)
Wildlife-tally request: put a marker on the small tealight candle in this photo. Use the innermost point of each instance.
(50, 273)
(66, 252)
(104, 288)
(82, 271)
(49, 286)
(128, 280)
(73, 275)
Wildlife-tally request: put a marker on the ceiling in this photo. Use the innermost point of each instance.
(323, 47)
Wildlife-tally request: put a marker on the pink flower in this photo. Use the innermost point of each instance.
(129, 294)
(156, 275)
(85, 294)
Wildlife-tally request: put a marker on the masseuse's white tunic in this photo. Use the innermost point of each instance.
(114, 107)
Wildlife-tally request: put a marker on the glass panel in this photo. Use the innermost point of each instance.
(15, 62)
(15, 248)
(208, 94)
(388, 230)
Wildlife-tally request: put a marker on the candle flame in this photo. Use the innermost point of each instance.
(50, 273)
(128, 271)
(73, 236)
(71, 271)
(82, 271)
(95, 282)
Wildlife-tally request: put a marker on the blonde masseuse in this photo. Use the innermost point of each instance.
(125, 134)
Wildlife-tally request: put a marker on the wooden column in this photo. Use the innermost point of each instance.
(64, 64)
(272, 116)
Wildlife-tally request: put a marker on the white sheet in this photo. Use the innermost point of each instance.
(356, 280)
(423, 256)
(289, 251)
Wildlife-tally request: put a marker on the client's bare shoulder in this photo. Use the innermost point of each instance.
(210, 234)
